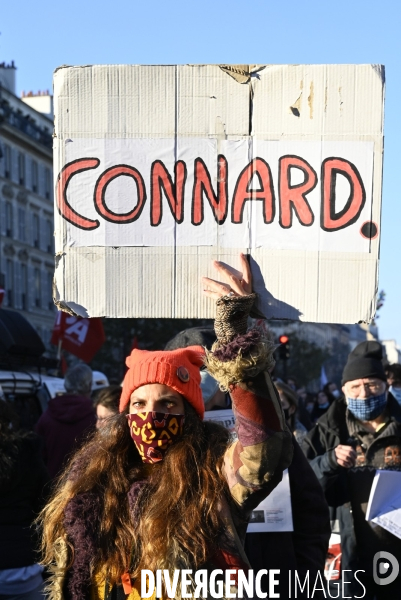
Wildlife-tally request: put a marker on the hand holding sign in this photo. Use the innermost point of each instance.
(239, 283)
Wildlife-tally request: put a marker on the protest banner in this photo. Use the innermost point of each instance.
(159, 169)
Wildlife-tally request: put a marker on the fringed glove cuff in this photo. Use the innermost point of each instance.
(238, 355)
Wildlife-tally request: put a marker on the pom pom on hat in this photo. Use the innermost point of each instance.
(178, 369)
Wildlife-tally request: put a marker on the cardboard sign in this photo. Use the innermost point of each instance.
(160, 169)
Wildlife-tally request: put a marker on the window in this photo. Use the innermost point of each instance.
(7, 162)
(24, 287)
(35, 178)
(36, 275)
(9, 219)
(50, 290)
(35, 230)
(10, 281)
(47, 183)
(49, 238)
(21, 225)
(21, 168)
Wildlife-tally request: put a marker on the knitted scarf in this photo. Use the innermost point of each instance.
(82, 522)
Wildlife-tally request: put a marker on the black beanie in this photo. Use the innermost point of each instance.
(364, 361)
(195, 336)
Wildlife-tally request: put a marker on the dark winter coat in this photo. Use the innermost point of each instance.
(347, 490)
(64, 426)
(303, 549)
(22, 479)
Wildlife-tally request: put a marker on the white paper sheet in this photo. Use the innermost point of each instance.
(384, 506)
(274, 513)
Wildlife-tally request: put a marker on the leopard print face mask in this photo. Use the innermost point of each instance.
(154, 432)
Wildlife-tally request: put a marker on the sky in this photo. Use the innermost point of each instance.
(44, 35)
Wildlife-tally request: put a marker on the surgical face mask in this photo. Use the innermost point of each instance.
(335, 393)
(325, 405)
(367, 409)
(396, 392)
(154, 432)
(209, 386)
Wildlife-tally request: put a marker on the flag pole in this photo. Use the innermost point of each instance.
(59, 360)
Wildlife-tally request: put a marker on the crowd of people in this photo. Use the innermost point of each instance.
(312, 405)
(135, 478)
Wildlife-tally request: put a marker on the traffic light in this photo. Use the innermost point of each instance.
(284, 348)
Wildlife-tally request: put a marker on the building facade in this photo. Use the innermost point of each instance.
(26, 203)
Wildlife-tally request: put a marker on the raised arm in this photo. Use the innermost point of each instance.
(240, 360)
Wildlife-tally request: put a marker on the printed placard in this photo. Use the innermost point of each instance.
(274, 513)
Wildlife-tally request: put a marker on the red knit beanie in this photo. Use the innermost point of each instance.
(179, 369)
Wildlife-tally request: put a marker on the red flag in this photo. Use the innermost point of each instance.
(82, 337)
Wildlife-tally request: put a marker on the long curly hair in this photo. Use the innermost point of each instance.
(177, 515)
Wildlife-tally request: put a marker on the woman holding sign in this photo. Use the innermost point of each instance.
(158, 488)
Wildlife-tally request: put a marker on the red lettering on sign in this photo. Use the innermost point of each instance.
(254, 182)
(64, 207)
(293, 197)
(100, 194)
(160, 178)
(242, 192)
(203, 185)
(330, 220)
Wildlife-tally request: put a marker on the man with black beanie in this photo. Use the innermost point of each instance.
(359, 434)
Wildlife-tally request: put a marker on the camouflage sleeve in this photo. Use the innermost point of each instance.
(240, 360)
(255, 462)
